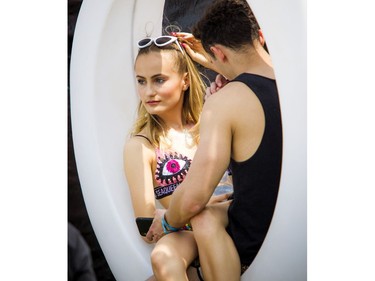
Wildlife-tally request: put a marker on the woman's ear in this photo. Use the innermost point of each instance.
(186, 81)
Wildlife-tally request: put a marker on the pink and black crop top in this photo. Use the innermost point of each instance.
(171, 169)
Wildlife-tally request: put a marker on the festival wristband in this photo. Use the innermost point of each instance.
(168, 228)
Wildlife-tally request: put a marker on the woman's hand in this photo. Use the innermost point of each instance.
(156, 230)
(195, 49)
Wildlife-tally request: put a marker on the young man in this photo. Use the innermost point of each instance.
(240, 126)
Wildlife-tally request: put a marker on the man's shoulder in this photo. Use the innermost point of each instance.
(232, 93)
(228, 101)
(235, 100)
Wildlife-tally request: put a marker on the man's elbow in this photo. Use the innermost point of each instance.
(194, 207)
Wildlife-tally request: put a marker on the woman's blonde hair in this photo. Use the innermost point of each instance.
(193, 97)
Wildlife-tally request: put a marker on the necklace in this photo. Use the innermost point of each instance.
(188, 137)
(183, 136)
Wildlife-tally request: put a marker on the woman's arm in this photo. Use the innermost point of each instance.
(138, 157)
(195, 50)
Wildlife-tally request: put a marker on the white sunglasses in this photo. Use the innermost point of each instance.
(160, 41)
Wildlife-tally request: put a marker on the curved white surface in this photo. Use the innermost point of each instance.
(103, 103)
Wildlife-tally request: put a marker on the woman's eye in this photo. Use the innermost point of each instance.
(160, 80)
(141, 81)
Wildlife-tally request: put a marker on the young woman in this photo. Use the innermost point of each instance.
(163, 143)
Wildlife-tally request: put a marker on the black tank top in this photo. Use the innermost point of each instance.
(256, 180)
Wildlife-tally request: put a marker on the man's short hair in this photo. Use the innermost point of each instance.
(230, 23)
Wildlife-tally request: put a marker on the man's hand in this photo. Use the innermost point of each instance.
(219, 83)
(219, 198)
(156, 230)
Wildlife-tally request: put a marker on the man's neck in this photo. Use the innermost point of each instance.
(255, 60)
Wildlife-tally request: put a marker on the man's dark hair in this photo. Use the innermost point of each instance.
(230, 23)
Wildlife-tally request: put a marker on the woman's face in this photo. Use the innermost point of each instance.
(159, 85)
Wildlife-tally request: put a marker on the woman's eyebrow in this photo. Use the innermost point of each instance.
(152, 77)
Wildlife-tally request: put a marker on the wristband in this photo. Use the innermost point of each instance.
(168, 228)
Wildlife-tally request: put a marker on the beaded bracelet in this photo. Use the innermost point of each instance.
(187, 227)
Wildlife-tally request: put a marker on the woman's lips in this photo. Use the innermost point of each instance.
(152, 102)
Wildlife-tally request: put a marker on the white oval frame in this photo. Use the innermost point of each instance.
(103, 103)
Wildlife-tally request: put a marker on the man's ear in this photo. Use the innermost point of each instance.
(218, 53)
(261, 37)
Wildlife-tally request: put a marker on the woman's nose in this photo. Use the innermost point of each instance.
(150, 91)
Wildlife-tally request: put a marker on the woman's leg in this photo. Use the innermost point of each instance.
(172, 255)
(191, 273)
(217, 253)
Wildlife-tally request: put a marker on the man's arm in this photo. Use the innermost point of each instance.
(209, 164)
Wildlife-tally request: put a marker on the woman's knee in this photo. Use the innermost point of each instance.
(158, 259)
(165, 263)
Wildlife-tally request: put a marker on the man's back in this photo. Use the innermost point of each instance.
(241, 126)
(239, 110)
(255, 178)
